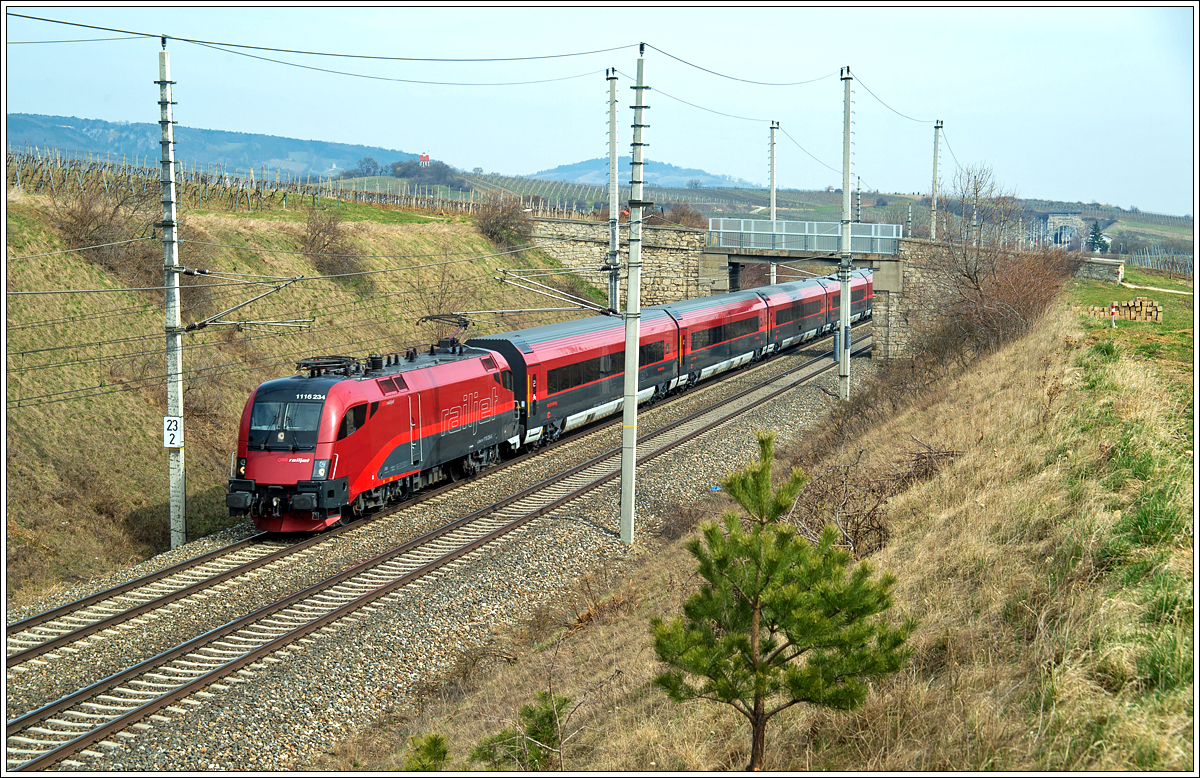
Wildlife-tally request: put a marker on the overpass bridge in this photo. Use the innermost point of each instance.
(737, 251)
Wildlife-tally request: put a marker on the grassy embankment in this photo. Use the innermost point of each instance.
(1050, 565)
(86, 478)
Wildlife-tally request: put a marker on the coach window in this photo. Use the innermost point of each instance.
(353, 420)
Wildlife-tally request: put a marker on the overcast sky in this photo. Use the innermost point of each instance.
(1071, 103)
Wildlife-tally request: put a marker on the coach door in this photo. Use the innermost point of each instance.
(416, 444)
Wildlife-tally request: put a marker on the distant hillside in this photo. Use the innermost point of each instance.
(235, 149)
(595, 171)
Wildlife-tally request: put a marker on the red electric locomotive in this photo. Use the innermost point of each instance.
(344, 436)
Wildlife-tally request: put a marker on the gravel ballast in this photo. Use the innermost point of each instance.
(300, 702)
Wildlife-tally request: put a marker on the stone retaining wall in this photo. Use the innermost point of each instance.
(912, 302)
(1101, 269)
(670, 256)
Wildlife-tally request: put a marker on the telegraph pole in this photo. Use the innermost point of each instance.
(173, 422)
(937, 127)
(842, 342)
(633, 304)
(774, 126)
(614, 208)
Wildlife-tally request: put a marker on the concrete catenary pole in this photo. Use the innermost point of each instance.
(937, 128)
(633, 304)
(774, 126)
(842, 343)
(614, 207)
(173, 424)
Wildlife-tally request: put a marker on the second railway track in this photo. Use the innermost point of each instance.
(126, 697)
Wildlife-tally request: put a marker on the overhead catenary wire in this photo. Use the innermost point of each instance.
(156, 35)
(734, 78)
(81, 248)
(193, 347)
(885, 105)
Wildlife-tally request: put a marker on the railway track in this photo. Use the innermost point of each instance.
(77, 721)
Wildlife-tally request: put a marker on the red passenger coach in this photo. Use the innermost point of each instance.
(719, 333)
(573, 372)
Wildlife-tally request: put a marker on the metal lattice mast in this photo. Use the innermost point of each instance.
(774, 126)
(174, 332)
(614, 208)
(633, 304)
(937, 128)
(842, 341)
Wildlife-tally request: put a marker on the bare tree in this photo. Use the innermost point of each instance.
(992, 289)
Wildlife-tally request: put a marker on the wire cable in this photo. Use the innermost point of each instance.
(78, 40)
(743, 80)
(806, 151)
(658, 91)
(387, 78)
(326, 53)
(82, 248)
(960, 167)
(893, 110)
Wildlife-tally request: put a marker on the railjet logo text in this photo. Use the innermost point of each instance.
(473, 411)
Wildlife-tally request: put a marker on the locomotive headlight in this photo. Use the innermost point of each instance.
(320, 470)
(240, 470)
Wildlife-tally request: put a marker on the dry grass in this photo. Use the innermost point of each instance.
(86, 484)
(1044, 643)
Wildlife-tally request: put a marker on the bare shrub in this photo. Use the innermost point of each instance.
(851, 497)
(681, 519)
(686, 216)
(591, 606)
(103, 221)
(504, 222)
(328, 245)
(201, 393)
(436, 290)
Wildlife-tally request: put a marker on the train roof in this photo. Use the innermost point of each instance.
(567, 329)
(316, 375)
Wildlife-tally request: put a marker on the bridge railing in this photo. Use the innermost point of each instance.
(825, 237)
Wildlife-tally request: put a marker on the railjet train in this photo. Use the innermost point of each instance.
(344, 435)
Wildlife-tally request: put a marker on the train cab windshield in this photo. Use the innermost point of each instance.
(284, 425)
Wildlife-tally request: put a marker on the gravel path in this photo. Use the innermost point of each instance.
(298, 703)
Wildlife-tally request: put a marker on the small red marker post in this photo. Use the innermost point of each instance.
(1112, 309)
